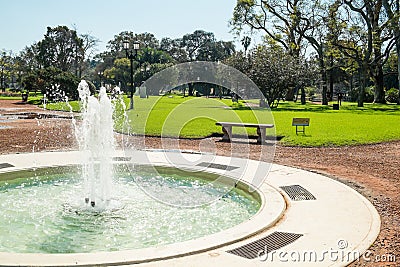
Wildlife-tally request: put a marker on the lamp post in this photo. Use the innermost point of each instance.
(3, 88)
(131, 55)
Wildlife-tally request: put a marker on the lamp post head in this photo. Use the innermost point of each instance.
(126, 44)
(136, 46)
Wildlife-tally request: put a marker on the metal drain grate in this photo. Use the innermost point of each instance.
(297, 192)
(265, 245)
(122, 158)
(217, 166)
(6, 165)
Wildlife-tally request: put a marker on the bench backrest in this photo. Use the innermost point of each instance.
(301, 122)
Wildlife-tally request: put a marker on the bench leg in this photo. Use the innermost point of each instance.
(227, 130)
(262, 135)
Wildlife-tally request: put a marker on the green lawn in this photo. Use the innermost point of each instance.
(195, 118)
(348, 126)
(34, 98)
(62, 106)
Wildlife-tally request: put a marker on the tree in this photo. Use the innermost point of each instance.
(30, 82)
(368, 23)
(348, 40)
(311, 16)
(147, 40)
(148, 70)
(29, 58)
(5, 67)
(151, 55)
(57, 62)
(276, 18)
(215, 51)
(85, 52)
(67, 84)
(194, 43)
(60, 48)
(288, 23)
(120, 71)
(116, 66)
(197, 46)
(239, 61)
(115, 47)
(273, 70)
(393, 12)
(174, 48)
(246, 40)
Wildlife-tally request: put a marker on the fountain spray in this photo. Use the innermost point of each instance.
(96, 142)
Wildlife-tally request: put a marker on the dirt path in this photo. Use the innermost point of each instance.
(372, 170)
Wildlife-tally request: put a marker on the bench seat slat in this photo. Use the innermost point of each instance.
(242, 124)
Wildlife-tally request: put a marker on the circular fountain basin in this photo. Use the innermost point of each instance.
(45, 220)
(47, 207)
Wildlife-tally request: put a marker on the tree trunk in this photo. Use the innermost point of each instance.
(290, 95)
(303, 96)
(330, 98)
(379, 92)
(361, 75)
(324, 79)
(191, 89)
(324, 88)
(351, 83)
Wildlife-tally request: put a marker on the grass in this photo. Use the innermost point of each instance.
(34, 98)
(350, 125)
(62, 106)
(192, 117)
(187, 117)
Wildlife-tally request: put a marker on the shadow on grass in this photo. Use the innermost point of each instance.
(242, 136)
(302, 108)
(345, 107)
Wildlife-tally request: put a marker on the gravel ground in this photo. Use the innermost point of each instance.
(372, 170)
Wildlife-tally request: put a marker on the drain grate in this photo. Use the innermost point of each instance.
(122, 158)
(217, 166)
(6, 165)
(265, 245)
(297, 192)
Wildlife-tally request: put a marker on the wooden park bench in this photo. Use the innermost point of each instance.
(301, 122)
(261, 130)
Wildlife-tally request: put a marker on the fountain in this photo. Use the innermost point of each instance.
(95, 204)
(96, 140)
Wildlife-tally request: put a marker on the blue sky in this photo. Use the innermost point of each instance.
(24, 22)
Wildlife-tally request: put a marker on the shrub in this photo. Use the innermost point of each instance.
(369, 94)
(392, 95)
(68, 83)
(310, 91)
